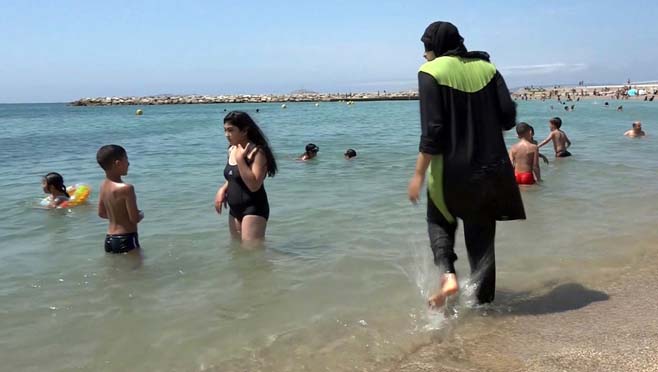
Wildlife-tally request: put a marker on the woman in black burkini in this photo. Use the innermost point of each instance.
(250, 160)
(464, 108)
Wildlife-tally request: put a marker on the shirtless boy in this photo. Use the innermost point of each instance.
(560, 140)
(118, 202)
(525, 157)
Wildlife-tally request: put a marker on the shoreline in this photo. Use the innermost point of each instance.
(640, 91)
(578, 324)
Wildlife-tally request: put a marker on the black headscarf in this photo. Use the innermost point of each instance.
(444, 39)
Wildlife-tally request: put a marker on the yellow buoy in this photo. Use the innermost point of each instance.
(139, 112)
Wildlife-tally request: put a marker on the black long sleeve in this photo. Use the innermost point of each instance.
(507, 105)
(431, 124)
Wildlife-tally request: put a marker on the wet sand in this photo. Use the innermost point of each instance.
(575, 326)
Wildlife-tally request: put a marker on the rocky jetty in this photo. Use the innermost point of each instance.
(245, 98)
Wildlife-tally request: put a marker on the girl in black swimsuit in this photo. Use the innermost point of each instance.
(250, 160)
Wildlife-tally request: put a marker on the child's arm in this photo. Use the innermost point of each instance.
(547, 140)
(511, 156)
(102, 212)
(542, 156)
(220, 198)
(567, 139)
(131, 205)
(535, 166)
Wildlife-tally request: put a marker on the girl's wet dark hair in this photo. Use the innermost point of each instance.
(57, 181)
(243, 121)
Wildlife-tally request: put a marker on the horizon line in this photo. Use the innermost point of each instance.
(511, 88)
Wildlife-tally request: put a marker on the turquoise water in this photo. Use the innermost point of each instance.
(346, 266)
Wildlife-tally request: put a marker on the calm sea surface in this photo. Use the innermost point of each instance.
(342, 281)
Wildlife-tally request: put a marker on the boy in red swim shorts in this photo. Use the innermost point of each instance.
(525, 157)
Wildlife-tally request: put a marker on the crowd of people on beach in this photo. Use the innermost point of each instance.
(471, 175)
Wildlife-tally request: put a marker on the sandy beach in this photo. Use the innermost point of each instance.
(577, 326)
(641, 92)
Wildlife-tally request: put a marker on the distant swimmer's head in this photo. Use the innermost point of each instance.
(443, 39)
(241, 129)
(312, 148)
(310, 151)
(606, 104)
(555, 123)
(113, 159)
(349, 154)
(53, 181)
(637, 125)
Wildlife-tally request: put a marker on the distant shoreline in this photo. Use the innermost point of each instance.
(611, 91)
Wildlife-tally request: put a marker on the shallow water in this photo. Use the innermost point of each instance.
(341, 283)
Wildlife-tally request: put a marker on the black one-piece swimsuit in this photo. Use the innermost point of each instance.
(242, 201)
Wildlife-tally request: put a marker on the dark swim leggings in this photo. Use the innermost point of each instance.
(479, 237)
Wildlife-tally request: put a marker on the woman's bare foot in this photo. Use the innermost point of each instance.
(448, 287)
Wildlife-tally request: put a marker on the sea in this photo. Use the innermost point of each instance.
(342, 281)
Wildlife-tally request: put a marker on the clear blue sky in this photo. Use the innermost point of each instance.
(56, 51)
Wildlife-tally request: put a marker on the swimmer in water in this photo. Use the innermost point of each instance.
(311, 151)
(117, 202)
(524, 156)
(53, 185)
(560, 140)
(349, 154)
(636, 131)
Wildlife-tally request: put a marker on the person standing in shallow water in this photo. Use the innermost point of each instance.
(464, 107)
(250, 160)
